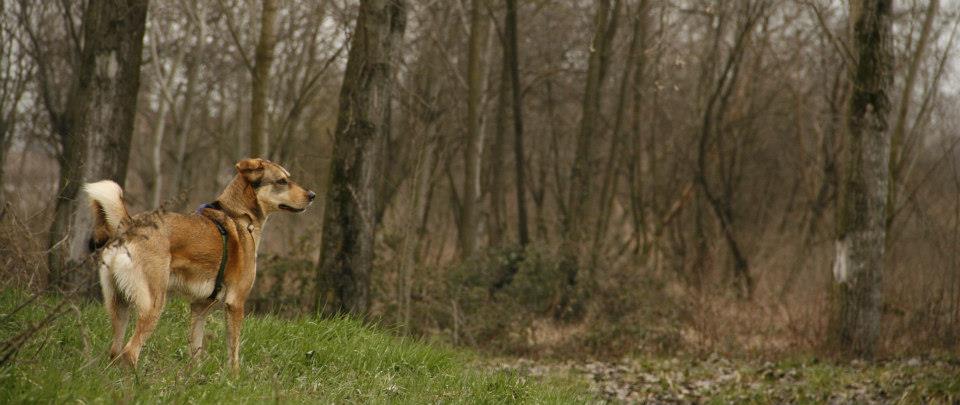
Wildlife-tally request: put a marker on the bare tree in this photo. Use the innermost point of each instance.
(96, 122)
(498, 179)
(261, 79)
(15, 74)
(712, 130)
(363, 123)
(198, 23)
(581, 187)
(165, 84)
(511, 53)
(897, 158)
(473, 142)
(858, 266)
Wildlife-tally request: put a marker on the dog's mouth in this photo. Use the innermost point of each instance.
(286, 207)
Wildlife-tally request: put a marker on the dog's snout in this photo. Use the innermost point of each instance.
(311, 195)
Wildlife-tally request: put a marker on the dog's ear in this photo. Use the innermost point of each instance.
(252, 170)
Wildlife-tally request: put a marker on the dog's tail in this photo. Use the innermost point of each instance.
(109, 211)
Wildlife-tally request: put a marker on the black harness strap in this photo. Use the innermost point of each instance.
(218, 285)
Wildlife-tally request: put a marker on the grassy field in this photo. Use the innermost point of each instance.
(283, 361)
(341, 360)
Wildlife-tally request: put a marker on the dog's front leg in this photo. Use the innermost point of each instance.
(198, 319)
(234, 313)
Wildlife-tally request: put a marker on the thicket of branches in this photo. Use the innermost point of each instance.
(618, 175)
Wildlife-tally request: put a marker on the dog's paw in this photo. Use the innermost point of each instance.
(129, 359)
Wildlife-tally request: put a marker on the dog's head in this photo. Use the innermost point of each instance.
(273, 187)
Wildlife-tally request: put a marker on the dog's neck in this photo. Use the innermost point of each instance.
(239, 201)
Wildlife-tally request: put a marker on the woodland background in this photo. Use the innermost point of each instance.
(550, 178)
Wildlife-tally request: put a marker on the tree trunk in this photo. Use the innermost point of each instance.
(346, 256)
(609, 180)
(157, 153)
(574, 223)
(711, 130)
(96, 128)
(635, 173)
(70, 160)
(855, 319)
(470, 216)
(513, 55)
(581, 178)
(261, 80)
(498, 182)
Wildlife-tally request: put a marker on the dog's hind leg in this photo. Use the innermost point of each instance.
(117, 307)
(147, 318)
(151, 286)
(198, 319)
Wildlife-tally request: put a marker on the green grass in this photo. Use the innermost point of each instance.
(309, 360)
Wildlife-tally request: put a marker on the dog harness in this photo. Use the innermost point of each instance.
(218, 285)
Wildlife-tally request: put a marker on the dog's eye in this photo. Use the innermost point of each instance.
(282, 182)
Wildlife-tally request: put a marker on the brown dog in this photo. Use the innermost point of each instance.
(146, 255)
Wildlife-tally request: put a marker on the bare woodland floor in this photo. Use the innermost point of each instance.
(722, 380)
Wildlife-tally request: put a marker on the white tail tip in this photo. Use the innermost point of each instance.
(110, 197)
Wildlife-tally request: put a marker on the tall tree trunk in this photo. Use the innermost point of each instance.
(70, 160)
(96, 128)
(634, 168)
(581, 178)
(159, 128)
(711, 130)
(261, 80)
(346, 256)
(858, 267)
(512, 51)
(470, 215)
(574, 224)
(498, 176)
(609, 180)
